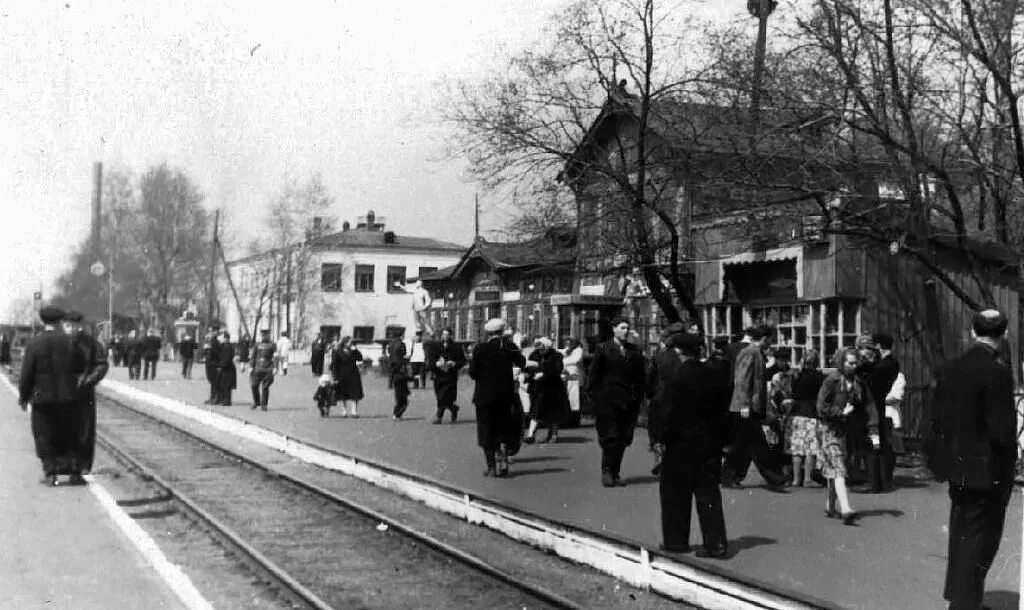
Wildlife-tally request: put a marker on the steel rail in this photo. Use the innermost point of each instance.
(438, 545)
(288, 586)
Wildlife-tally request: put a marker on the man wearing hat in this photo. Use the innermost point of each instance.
(498, 428)
(398, 368)
(49, 376)
(94, 355)
(262, 375)
(211, 351)
(227, 376)
(974, 447)
(695, 415)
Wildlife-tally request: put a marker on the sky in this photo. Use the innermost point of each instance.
(241, 95)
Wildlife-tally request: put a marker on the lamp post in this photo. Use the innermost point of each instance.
(98, 270)
(760, 9)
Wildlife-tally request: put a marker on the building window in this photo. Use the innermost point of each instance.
(362, 334)
(364, 278)
(824, 326)
(425, 270)
(330, 277)
(396, 275)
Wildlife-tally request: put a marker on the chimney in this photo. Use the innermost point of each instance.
(370, 220)
(318, 223)
(97, 189)
(345, 226)
(389, 237)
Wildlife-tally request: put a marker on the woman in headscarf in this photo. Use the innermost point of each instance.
(549, 398)
(348, 383)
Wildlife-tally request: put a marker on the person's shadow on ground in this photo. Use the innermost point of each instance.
(515, 472)
(748, 542)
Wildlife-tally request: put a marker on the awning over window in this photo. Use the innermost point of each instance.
(763, 277)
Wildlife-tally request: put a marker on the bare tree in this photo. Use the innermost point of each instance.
(529, 128)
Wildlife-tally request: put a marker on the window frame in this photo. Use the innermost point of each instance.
(338, 284)
(363, 271)
(356, 338)
(391, 275)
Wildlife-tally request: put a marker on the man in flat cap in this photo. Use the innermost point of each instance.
(94, 355)
(498, 428)
(615, 383)
(974, 447)
(693, 432)
(49, 380)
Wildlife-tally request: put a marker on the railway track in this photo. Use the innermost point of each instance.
(312, 547)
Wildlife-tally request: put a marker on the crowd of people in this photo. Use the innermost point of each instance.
(712, 411)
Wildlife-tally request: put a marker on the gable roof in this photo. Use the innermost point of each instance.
(363, 238)
(556, 249)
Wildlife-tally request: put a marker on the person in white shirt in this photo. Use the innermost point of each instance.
(417, 361)
(284, 346)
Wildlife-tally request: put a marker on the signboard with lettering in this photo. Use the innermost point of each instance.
(486, 295)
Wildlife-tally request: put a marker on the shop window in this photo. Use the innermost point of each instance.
(330, 277)
(425, 270)
(362, 334)
(364, 278)
(396, 278)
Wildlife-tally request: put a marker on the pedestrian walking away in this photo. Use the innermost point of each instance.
(348, 380)
(5, 352)
(973, 445)
(284, 349)
(227, 375)
(398, 369)
(318, 350)
(94, 356)
(498, 421)
(417, 361)
(615, 385)
(150, 353)
(801, 427)
(187, 352)
(243, 349)
(133, 355)
(445, 364)
(211, 353)
(50, 371)
(663, 368)
(694, 421)
(262, 375)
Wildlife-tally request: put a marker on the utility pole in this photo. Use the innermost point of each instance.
(476, 216)
(759, 9)
(211, 294)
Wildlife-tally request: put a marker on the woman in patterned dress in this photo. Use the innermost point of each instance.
(841, 393)
(802, 419)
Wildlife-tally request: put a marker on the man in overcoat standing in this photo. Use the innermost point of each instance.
(211, 353)
(615, 384)
(318, 350)
(975, 448)
(262, 375)
(94, 355)
(498, 428)
(49, 380)
(693, 430)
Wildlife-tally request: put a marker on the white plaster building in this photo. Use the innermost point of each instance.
(354, 290)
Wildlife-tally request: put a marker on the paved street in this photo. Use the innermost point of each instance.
(894, 559)
(60, 549)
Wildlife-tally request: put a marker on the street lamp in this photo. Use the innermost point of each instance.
(98, 269)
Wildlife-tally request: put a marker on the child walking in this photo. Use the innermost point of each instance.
(324, 396)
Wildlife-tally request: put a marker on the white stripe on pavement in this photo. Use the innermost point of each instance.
(172, 575)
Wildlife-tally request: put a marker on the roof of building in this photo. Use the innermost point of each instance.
(362, 238)
(556, 248)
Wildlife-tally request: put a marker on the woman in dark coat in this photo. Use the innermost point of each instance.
(498, 422)
(549, 399)
(348, 382)
(446, 358)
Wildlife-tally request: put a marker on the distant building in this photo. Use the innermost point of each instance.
(355, 283)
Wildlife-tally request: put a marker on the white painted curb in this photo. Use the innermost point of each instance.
(633, 565)
(171, 574)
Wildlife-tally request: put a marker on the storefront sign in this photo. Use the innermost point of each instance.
(486, 295)
(585, 299)
(511, 295)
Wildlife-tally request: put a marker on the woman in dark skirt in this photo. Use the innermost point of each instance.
(548, 397)
(348, 383)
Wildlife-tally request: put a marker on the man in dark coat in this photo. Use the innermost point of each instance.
(975, 447)
(50, 371)
(663, 368)
(133, 355)
(5, 351)
(226, 373)
(262, 375)
(693, 432)
(94, 356)
(317, 352)
(187, 352)
(150, 354)
(497, 426)
(615, 384)
(398, 369)
(211, 353)
(880, 375)
(446, 359)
